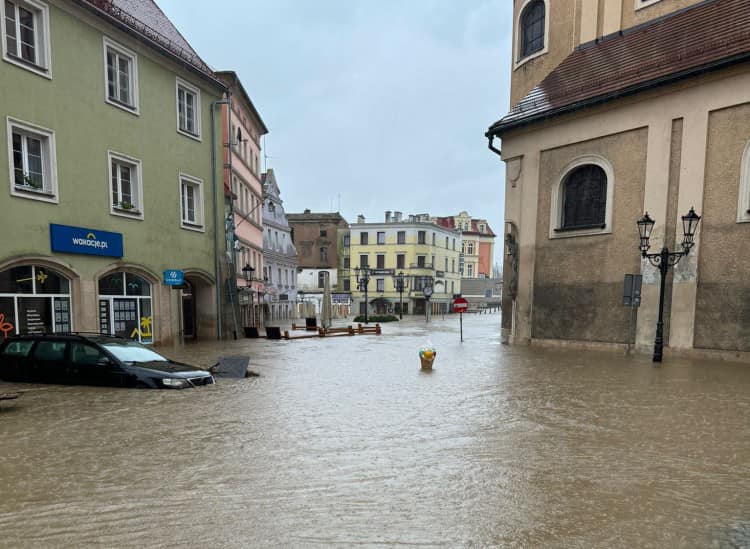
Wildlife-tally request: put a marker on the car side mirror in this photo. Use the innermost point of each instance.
(103, 361)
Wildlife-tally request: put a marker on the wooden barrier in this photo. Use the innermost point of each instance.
(348, 331)
(304, 328)
(330, 332)
(369, 329)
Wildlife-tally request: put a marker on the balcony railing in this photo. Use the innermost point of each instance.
(422, 266)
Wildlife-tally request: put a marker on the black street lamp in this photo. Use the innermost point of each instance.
(363, 278)
(400, 282)
(664, 260)
(248, 271)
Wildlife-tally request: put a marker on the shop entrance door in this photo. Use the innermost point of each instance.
(188, 312)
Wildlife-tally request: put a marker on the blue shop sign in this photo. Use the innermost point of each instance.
(173, 277)
(79, 240)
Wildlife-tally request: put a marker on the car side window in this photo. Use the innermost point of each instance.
(18, 348)
(81, 353)
(50, 350)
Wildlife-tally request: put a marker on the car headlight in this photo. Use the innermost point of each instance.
(175, 383)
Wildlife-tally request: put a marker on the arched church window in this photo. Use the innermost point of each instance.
(532, 28)
(584, 198)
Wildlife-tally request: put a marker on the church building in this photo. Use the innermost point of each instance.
(618, 108)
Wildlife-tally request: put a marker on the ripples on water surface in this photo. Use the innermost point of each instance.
(344, 441)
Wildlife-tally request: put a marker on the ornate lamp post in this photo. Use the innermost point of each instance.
(363, 278)
(248, 271)
(400, 282)
(664, 260)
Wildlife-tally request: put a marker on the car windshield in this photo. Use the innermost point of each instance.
(132, 351)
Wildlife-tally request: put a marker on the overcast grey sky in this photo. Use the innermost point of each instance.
(381, 103)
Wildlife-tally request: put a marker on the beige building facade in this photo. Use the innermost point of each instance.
(645, 99)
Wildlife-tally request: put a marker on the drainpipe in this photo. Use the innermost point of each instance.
(217, 265)
(491, 139)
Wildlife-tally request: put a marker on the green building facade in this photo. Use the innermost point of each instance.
(110, 174)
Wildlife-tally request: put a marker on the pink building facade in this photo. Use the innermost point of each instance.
(242, 131)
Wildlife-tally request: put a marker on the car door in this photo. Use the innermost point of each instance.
(15, 364)
(50, 361)
(91, 366)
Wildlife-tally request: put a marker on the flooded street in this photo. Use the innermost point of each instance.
(344, 441)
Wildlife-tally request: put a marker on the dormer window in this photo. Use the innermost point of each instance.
(532, 28)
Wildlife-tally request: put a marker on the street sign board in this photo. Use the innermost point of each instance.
(631, 291)
(174, 277)
(460, 305)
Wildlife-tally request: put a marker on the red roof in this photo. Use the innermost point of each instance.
(707, 36)
(450, 223)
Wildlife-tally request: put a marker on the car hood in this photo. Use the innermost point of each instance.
(175, 369)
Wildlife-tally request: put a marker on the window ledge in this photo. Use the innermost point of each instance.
(30, 189)
(191, 135)
(193, 227)
(28, 65)
(30, 193)
(579, 228)
(130, 214)
(132, 211)
(124, 106)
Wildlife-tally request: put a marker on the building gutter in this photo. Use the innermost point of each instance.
(498, 129)
(214, 186)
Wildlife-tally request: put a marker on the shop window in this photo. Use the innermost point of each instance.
(34, 299)
(125, 307)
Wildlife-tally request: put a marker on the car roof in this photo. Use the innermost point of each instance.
(73, 336)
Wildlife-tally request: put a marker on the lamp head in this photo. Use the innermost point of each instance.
(689, 226)
(645, 226)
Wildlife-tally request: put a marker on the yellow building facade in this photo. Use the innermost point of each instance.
(427, 255)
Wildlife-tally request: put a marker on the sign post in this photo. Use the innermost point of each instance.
(631, 297)
(459, 306)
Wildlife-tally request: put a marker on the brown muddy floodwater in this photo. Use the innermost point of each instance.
(345, 442)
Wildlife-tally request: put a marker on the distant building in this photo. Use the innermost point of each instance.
(242, 183)
(279, 255)
(477, 243)
(427, 254)
(620, 107)
(318, 239)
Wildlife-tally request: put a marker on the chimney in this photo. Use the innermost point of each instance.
(388, 216)
(411, 218)
(307, 210)
(360, 218)
(397, 217)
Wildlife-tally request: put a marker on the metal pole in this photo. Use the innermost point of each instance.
(461, 322)
(366, 279)
(659, 340)
(401, 299)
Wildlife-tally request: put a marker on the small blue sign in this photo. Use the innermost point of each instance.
(79, 240)
(173, 277)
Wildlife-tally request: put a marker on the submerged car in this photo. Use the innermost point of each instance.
(79, 359)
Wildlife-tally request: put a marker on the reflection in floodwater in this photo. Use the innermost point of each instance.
(346, 441)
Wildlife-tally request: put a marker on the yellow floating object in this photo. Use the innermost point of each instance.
(428, 354)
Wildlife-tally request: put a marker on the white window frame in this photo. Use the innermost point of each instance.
(136, 184)
(43, 63)
(517, 36)
(640, 4)
(189, 88)
(49, 192)
(556, 202)
(199, 224)
(110, 44)
(743, 203)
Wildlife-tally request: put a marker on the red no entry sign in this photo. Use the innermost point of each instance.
(460, 305)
